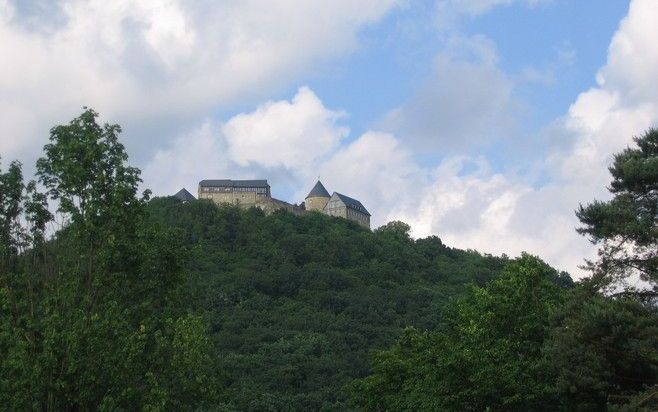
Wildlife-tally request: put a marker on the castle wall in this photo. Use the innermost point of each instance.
(247, 196)
(270, 205)
(338, 209)
(358, 217)
(233, 198)
(247, 200)
(316, 203)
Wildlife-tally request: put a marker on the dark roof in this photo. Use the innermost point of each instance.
(318, 191)
(233, 183)
(352, 203)
(184, 195)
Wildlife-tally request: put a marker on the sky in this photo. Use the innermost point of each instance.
(484, 122)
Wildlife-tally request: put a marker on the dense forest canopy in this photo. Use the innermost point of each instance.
(110, 300)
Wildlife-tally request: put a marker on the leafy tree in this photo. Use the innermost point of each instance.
(95, 318)
(602, 352)
(395, 229)
(485, 358)
(626, 226)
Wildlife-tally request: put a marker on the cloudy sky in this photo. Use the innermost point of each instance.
(485, 122)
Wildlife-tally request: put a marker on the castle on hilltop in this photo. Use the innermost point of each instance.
(256, 193)
(337, 204)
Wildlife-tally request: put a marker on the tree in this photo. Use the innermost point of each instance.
(101, 320)
(11, 202)
(84, 168)
(487, 357)
(395, 229)
(626, 226)
(601, 352)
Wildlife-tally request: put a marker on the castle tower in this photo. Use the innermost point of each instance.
(317, 198)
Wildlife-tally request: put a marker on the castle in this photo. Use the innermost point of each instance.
(256, 193)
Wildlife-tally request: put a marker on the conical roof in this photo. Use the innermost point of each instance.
(318, 191)
(184, 195)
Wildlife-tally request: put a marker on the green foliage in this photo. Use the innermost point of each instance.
(297, 304)
(164, 306)
(485, 358)
(96, 318)
(84, 169)
(626, 226)
(522, 343)
(602, 351)
(160, 305)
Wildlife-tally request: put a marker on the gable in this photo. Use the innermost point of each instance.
(341, 200)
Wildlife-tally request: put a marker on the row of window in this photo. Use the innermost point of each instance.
(357, 215)
(234, 189)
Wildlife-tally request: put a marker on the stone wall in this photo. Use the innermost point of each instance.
(246, 199)
(316, 203)
(358, 217)
(270, 204)
(350, 214)
(338, 211)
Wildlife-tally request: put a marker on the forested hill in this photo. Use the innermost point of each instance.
(112, 301)
(298, 305)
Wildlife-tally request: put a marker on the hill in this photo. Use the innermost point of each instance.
(110, 301)
(297, 305)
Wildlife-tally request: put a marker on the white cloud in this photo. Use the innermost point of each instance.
(530, 74)
(503, 213)
(475, 7)
(633, 56)
(284, 141)
(285, 134)
(201, 153)
(376, 169)
(153, 61)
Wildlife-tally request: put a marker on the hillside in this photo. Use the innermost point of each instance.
(297, 305)
(113, 301)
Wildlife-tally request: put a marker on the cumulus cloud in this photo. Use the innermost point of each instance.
(469, 205)
(284, 141)
(199, 152)
(377, 169)
(158, 61)
(506, 213)
(285, 134)
(475, 7)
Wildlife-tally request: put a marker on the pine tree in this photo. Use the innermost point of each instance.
(626, 226)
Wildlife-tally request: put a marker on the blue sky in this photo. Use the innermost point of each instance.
(565, 38)
(485, 122)
(388, 64)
